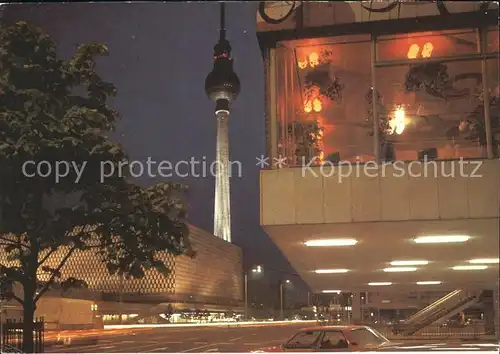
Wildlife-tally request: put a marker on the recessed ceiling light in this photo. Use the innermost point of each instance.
(331, 242)
(442, 239)
(430, 282)
(470, 267)
(408, 263)
(380, 283)
(331, 291)
(330, 271)
(485, 261)
(400, 269)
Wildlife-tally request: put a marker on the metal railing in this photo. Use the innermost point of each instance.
(12, 336)
(434, 312)
(426, 310)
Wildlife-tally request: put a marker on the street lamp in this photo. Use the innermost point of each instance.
(287, 281)
(255, 270)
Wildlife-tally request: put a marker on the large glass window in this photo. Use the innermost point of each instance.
(321, 90)
(324, 98)
(493, 74)
(423, 109)
(427, 45)
(492, 40)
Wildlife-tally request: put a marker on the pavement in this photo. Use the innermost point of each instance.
(181, 340)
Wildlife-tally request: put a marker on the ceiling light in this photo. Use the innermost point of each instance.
(430, 282)
(408, 263)
(485, 261)
(380, 284)
(330, 271)
(331, 291)
(442, 239)
(400, 269)
(470, 267)
(332, 242)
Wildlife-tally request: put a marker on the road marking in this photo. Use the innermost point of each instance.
(159, 349)
(212, 350)
(196, 348)
(85, 347)
(235, 339)
(108, 347)
(200, 342)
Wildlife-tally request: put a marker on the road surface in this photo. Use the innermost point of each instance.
(186, 340)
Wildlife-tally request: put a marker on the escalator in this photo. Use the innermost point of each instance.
(440, 310)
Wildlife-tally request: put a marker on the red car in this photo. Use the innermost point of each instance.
(332, 339)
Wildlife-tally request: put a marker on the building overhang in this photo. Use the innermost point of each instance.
(380, 243)
(384, 214)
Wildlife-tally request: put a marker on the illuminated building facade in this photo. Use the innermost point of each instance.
(211, 281)
(383, 87)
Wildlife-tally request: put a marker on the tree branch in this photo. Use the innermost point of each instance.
(54, 275)
(46, 257)
(17, 298)
(7, 241)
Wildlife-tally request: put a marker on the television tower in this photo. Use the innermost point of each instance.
(222, 86)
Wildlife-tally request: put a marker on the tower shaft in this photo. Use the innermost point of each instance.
(222, 209)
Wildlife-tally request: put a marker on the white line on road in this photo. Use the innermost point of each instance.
(235, 339)
(196, 348)
(108, 347)
(212, 350)
(159, 349)
(84, 347)
(200, 342)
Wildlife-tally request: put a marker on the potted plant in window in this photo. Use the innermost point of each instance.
(306, 137)
(474, 129)
(317, 80)
(433, 78)
(384, 128)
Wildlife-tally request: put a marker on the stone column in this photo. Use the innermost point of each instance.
(489, 311)
(356, 308)
(496, 311)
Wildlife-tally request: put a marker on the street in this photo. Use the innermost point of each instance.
(185, 340)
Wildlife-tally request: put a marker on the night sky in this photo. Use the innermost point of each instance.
(160, 54)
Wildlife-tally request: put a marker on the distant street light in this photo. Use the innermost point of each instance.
(282, 298)
(255, 270)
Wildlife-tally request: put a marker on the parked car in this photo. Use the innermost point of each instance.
(332, 339)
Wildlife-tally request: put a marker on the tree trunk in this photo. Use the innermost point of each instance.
(28, 326)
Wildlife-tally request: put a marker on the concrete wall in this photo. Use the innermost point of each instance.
(60, 313)
(316, 196)
(216, 271)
